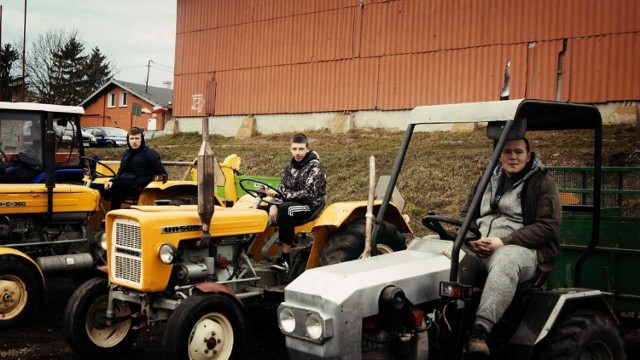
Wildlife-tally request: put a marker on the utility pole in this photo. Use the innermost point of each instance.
(146, 84)
(24, 46)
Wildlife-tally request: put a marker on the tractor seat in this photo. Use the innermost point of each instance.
(313, 215)
(535, 283)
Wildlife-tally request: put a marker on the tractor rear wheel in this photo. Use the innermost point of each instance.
(84, 323)
(347, 243)
(206, 326)
(19, 292)
(585, 334)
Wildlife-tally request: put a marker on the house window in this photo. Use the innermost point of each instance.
(123, 99)
(111, 100)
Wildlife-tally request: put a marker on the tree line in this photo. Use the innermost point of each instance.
(59, 69)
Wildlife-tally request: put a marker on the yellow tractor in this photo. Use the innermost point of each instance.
(51, 209)
(196, 268)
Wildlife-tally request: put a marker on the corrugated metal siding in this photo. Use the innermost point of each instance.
(289, 56)
(623, 80)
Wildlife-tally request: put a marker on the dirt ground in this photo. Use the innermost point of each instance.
(43, 338)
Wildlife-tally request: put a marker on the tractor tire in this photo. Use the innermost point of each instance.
(217, 319)
(347, 243)
(19, 292)
(84, 327)
(585, 334)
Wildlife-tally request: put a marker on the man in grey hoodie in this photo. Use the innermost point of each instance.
(519, 218)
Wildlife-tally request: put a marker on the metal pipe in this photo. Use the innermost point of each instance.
(477, 198)
(392, 183)
(24, 46)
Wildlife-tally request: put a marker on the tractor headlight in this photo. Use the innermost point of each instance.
(167, 253)
(103, 241)
(313, 323)
(286, 320)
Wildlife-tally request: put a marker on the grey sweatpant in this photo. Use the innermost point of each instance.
(507, 267)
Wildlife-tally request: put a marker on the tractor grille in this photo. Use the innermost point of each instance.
(127, 252)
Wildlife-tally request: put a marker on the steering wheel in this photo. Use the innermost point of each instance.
(260, 193)
(5, 159)
(434, 222)
(93, 173)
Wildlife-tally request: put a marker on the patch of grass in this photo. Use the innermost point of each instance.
(439, 167)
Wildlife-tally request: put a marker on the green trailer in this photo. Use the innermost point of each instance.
(613, 265)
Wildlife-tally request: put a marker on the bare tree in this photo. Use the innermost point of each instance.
(60, 73)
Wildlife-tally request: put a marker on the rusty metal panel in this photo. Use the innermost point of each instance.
(180, 54)
(184, 88)
(623, 80)
(543, 83)
(516, 56)
(591, 17)
(374, 29)
(272, 43)
(302, 38)
(333, 35)
(626, 15)
(279, 97)
(428, 26)
(554, 19)
(301, 88)
(589, 67)
(263, 10)
(519, 21)
(400, 22)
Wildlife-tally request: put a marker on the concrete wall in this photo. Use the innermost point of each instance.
(612, 114)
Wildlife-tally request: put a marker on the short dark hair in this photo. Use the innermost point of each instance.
(135, 131)
(300, 138)
(526, 143)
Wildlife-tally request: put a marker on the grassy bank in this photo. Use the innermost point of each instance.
(439, 167)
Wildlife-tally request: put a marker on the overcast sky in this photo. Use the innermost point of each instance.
(128, 32)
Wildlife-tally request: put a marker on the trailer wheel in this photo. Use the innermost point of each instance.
(347, 243)
(206, 326)
(583, 335)
(84, 323)
(19, 293)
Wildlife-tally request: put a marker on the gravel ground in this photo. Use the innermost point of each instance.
(43, 339)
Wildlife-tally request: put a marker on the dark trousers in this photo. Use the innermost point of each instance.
(290, 215)
(121, 190)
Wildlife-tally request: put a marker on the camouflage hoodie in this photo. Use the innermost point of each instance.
(305, 181)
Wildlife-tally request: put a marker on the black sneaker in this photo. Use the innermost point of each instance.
(281, 264)
(478, 341)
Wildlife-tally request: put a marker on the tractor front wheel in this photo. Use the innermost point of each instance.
(206, 326)
(19, 292)
(347, 243)
(85, 325)
(583, 335)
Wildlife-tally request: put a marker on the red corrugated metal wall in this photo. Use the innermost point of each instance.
(296, 56)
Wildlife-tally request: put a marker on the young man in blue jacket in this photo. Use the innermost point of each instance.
(138, 167)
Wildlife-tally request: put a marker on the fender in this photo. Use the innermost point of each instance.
(337, 214)
(27, 260)
(216, 288)
(547, 307)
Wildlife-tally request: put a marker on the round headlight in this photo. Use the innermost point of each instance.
(103, 241)
(287, 320)
(313, 323)
(167, 253)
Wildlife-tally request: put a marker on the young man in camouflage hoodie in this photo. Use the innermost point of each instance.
(303, 186)
(519, 218)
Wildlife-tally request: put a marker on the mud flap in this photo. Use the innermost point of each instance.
(545, 309)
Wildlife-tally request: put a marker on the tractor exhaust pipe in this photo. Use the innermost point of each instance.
(206, 184)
